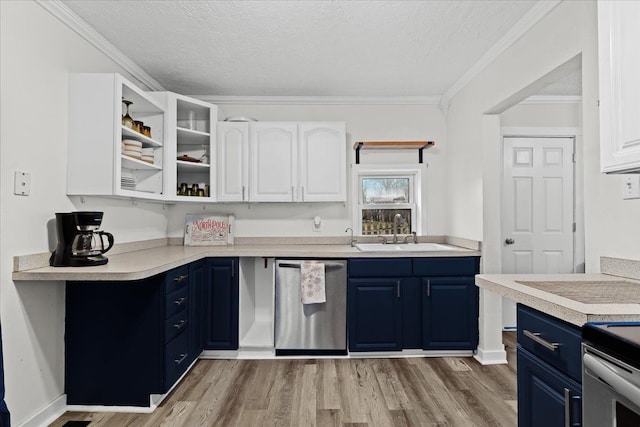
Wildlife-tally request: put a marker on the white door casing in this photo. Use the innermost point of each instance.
(538, 205)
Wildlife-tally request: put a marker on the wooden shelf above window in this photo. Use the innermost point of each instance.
(392, 145)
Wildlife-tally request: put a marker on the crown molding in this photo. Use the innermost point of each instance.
(86, 31)
(553, 99)
(320, 100)
(531, 18)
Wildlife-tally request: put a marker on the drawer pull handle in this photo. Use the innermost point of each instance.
(181, 359)
(180, 301)
(181, 324)
(180, 278)
(535, 336)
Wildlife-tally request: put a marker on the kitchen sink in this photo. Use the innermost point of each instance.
(405, 247)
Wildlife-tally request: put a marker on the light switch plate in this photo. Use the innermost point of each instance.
(631, 187)
(22, 183)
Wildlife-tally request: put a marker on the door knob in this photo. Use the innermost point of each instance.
(509, 241)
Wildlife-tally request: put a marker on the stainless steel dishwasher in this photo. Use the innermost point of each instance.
(310, 329)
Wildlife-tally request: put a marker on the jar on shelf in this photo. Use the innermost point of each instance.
(146, 131)
(138, 125)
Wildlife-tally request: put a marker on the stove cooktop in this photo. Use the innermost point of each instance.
(621, 339)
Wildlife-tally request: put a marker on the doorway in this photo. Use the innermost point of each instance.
(538, 205)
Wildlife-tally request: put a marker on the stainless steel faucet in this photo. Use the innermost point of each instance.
(352, 239)
(397, 218)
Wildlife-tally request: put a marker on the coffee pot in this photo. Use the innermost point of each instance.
(80, 243)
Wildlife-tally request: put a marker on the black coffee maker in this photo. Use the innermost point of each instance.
(80, 243)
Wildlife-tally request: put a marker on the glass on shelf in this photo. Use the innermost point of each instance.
(126, 119)
(205, 156)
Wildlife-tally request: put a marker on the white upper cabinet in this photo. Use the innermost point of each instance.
(105, 157)
(233, 161)
(323, 160)
(618, 44)
(190, 147)
(273, 159)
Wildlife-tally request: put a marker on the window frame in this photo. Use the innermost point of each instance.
(417, 187)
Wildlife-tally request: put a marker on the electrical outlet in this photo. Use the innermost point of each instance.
(631, 187)
(317, 224)
(22, 183)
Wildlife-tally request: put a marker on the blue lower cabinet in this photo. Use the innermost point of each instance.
(375, 314)
(422, 306)
(450, 313)
(546, 397)
(114, 342)
(222, 304)
(127, 340)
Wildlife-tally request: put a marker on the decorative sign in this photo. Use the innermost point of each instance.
(207, 230)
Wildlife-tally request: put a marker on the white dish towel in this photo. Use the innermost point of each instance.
(312, 286)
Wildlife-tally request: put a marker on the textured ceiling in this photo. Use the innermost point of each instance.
(304, 48)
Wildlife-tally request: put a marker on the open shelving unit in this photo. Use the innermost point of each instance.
(392, 145)
(96, 134)
(191, 130)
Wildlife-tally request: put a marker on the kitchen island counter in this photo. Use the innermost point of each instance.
(574, 298)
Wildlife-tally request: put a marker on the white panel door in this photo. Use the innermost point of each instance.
(233, 161)
(537, 214)
(273, 154)
(618, 44)
(323, 162)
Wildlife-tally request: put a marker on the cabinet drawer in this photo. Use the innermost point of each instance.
(552, 340)
(176, 324)
(176, 279)
(176, 359)
(380, 267)
(446, 266)
(176, 301)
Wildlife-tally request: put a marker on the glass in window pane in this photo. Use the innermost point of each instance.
(380, 221)
(385, 190)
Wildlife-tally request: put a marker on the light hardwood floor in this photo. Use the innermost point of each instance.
(334, 392)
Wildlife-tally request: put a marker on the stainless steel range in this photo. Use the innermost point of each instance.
(611, 374)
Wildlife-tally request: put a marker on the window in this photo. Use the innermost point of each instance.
(384, 192)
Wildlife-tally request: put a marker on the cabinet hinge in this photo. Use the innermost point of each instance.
(574, 227)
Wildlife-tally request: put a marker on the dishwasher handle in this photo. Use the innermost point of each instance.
(327, 265)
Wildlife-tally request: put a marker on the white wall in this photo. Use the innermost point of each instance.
(569, 30)
(560, 115)
(37, 54)
(364, 123)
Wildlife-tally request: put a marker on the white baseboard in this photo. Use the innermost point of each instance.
(493, 357)
(48, 414)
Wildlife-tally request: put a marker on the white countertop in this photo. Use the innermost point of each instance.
(148, 262)
(569, 310)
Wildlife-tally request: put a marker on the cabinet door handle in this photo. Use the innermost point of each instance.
(292, 195)
(428, 288)
(535, 336)
(302, 193)
(180, 301)
(398, 289)
(569, 398)
(180, 278)
(243, 189)
(181, 359)
(181, 324)
(233, 268)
